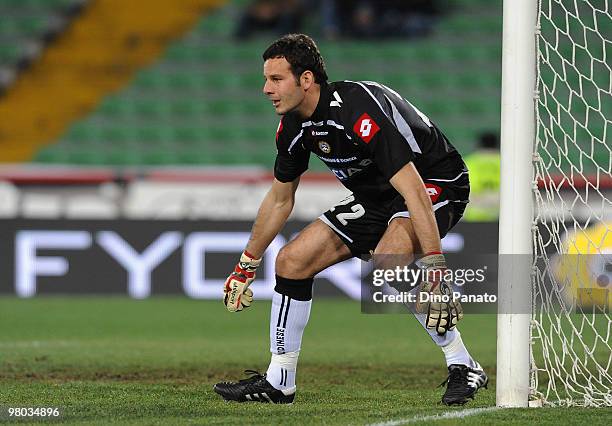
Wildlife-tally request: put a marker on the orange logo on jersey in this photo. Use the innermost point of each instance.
(366, 127)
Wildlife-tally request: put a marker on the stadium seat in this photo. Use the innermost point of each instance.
(149, 109)
(113, 107)
(181, 54)
(201, 103)
(9, 54)
(148, 80)
(54, 155)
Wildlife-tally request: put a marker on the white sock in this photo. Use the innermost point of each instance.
(456, 353)
(451, 343)
(288, 319)
(281, 371)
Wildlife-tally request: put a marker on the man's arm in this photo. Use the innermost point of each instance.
(272, 215)
(409, 184)
(440, 316)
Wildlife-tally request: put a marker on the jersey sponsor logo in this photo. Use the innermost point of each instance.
(366, 127)
(347, 172)
(280, 128)
(316, 133)
(325, 147)
(433, 191)
(337, 160)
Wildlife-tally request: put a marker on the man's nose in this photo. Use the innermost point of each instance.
(266, 88)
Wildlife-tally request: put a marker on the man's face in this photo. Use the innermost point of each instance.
(281, 87)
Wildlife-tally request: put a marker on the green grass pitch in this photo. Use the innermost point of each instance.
(105, 359)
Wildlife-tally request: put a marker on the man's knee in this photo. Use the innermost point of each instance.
(290, 264)
(396, 247)
(399, 239)
(393, 246)
(293, 277)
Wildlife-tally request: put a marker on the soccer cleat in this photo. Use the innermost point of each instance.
(254, 388)
(462, 383)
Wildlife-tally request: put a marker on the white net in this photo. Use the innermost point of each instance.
(572, 284)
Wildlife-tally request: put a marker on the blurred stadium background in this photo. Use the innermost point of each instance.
(122, 99)
(112, 116)
(139, 127)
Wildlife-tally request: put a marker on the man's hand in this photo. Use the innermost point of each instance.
(442, 316)
(238, 295)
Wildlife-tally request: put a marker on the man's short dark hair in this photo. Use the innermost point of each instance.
(302, 54)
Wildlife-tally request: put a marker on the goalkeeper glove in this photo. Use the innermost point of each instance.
(442, 311)
(238, 295)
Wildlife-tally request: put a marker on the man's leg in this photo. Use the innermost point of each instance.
(465, 376)
(400, 239)
(314, 249)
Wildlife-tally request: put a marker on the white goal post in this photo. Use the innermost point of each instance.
(554, 333)
(516, 205)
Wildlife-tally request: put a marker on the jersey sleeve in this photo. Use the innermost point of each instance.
(291, 156)
(375, 129)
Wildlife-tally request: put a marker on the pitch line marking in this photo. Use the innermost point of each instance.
(443, 416)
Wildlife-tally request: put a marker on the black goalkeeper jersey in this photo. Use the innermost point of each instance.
(365, 133)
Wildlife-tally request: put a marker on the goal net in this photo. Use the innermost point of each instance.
(572, 232)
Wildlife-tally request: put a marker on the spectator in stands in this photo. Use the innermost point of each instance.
(484, 167)
(379, 19)
(276, 16)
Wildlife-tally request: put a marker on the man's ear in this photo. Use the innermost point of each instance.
(306, 79)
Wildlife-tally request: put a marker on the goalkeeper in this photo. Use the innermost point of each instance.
(409, 188)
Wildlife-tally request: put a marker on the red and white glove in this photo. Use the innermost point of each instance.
(238, 295)
(442, 316)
